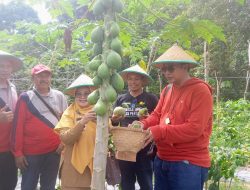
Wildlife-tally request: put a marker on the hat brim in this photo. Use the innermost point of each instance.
(124, 75)
(16, 63)
(72, 91)
(42, 71)
(160, 64)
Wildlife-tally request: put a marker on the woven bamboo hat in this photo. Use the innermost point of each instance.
(15, 62)
(175, 54)
(137, 70)
(82, 81)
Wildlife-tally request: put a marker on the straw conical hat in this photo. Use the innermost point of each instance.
(175, 54)
(16, 62)
(137, 70)
(81, 81)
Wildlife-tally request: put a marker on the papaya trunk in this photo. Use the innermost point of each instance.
(102, 134)
(111, 61)
(100, 155)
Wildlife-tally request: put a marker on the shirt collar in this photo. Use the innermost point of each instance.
(48, 95)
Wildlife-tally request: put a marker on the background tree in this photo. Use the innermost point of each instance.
(14, 12)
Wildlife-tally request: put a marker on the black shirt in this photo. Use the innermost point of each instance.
(134, 104)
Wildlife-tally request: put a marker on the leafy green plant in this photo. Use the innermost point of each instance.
(230, 142)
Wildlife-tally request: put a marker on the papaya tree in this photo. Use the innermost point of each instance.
(106, 60)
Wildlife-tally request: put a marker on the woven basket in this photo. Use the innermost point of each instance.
(128, 141)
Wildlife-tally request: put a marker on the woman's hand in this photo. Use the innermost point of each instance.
(90, 116)
(60, 148)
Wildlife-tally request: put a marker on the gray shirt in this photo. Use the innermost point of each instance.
(9, 95)
(55, 99)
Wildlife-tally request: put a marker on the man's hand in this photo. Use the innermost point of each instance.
(6, 116)
(117, 118)
(143, 117)
(148, 139)
(21, 162)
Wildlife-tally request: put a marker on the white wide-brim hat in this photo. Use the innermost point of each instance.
(82, 81)
(137, 70)
(16, 63)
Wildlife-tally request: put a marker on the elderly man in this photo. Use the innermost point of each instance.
(8, 99)
(34, 143)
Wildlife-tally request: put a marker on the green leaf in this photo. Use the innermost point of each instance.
(241, 2)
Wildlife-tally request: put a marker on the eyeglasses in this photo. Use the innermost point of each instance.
(79, 95)
(169, 68)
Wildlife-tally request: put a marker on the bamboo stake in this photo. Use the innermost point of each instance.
(248, 72)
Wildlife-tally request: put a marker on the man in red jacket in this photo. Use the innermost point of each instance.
(180, 125)
(33, 141)
(8, 99)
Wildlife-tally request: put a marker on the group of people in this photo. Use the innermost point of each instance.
(43, 136)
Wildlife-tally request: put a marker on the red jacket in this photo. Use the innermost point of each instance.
(189, 108)
(32, 133)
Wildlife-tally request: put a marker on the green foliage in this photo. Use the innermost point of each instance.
(230, 142)
(183, 30)
(230, 59)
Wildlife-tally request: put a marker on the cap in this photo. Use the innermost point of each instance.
(39, 69)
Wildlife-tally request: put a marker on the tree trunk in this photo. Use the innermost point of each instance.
(248, 72)
(100, 155)
(102, 133)
(206, 65)
(218, 85)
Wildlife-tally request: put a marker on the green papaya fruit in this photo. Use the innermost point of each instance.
(116, 45)
(103, 71)
(143, 112)
(136, 124)
(98, 9)
(97, 49)
(114, 30)
(110, 94)
(117, 82)
(119, 111)
(118, 6)
(93, 97)
(114, 60)
(97, 81)
(100, 108)
(94, 64)
(97, 35)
